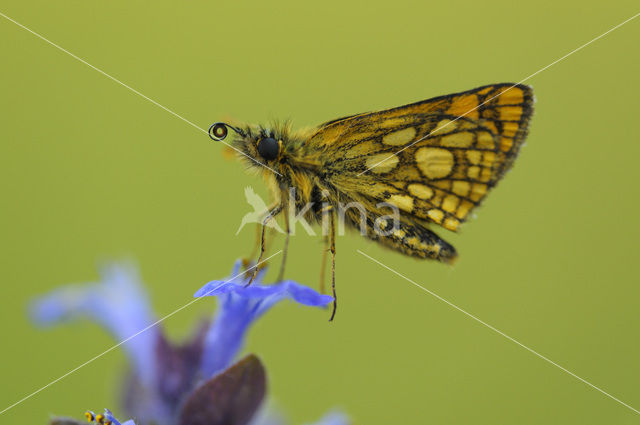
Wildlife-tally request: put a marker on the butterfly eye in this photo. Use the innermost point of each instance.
(218, 131)
(268, 148)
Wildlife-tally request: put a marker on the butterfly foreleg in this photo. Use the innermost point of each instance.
(254, 250)
(285, 248)
(273, 212)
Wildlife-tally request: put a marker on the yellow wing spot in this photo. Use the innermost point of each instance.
(434, 163)
(400, 234)
(444, 126)
(491, 126)
(463, 125)
(465, 105)
(382, 163)
(463, 209)
(461, 187)
(457, 140)
(435, 215)
(404, 202)
(400, 137)
(360, 149)
(392, 122)
(485, 141)
(478, 190)
(506, 144)
(473, 172)
(510, 113)
(509, 129)
(485, 175)
(420, 190)
(451, 223)
(450, 203)
(418, 244)
(488, 159)
(513, 96)
(413, 242)
(442, 184)
(474, 156)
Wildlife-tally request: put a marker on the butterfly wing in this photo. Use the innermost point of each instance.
(435, 160)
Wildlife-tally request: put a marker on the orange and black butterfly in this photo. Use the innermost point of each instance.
(434, 160)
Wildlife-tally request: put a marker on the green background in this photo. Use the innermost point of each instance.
(91, 171)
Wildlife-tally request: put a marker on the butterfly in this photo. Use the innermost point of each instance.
(432, 161)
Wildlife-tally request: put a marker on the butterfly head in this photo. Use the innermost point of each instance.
(261, 146)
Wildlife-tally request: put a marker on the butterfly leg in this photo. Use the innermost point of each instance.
(285, 249)
(246, 262)
(254, 251)
(272, 213)
(323, 262)
(269, 239)
(332, 239)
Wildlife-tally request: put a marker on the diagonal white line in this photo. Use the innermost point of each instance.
(130, 88)
(482, 322)
(506, 90)
(130, 338)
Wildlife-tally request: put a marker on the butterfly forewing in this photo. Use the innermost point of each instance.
(435, 160)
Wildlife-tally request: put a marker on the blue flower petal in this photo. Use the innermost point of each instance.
(239, 306)
(118, 302)
(109, 416)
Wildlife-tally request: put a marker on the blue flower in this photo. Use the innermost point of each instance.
(331, 418)
(118, 302)
(240, 305)
(169, 382)
(105, 418)
(110, 418)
